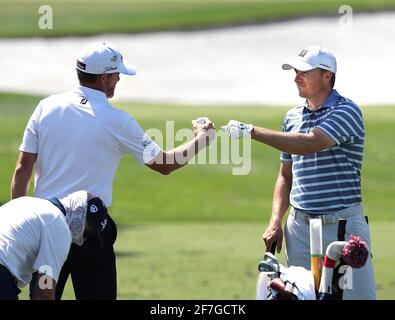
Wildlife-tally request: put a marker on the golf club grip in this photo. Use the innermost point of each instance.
(341, 230)
(273, 247)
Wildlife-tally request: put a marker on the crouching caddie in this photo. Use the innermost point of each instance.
(36, 234)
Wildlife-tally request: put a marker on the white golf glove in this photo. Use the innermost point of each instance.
(236, 129)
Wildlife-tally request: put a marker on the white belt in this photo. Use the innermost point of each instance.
(328, 218)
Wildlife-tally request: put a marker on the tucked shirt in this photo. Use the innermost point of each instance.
(79, 139)
(329, 180)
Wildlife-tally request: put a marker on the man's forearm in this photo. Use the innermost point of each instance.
(20, 183)
(280, 200)
(43, 295)
(294, 142)
(289, 142)
(44, 288)
(182, 154)
(169, 161)
(23, 172)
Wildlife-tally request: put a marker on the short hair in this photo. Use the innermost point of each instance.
(84, 77)
(333, 78)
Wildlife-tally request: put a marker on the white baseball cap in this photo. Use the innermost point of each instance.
(100, 58)
(313, 57)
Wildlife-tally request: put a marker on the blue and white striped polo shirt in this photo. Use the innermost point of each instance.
(328, 180)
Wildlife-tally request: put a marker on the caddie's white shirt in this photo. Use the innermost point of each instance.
(34, 236)
(80, 138)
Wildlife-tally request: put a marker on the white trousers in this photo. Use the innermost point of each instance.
(358, 284)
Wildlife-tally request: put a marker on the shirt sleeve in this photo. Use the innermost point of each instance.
(135, 141)
(54, 247)
(344, 124)
(30, 136)
(283, 155)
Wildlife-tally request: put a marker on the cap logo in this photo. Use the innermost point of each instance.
(324, 65)
(114, 58)
(93, 209)
(110, 68)
(303, 53)
(146, 142)
(81, 65)
(103, 224)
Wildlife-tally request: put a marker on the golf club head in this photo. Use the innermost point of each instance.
(269, 263)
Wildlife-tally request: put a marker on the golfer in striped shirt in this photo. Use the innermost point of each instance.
(320, 173)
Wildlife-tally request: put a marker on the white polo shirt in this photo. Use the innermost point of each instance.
(80, 138)
(34, 236)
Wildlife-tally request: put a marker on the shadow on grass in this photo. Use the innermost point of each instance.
(127, 254)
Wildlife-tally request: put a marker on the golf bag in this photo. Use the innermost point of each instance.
(276, 282)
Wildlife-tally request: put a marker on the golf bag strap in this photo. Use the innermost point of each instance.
(58, 204)
(337, 292)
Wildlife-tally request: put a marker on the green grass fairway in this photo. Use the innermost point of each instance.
(196, 233)
(19, 18)
(209, 192)
(211, 261)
